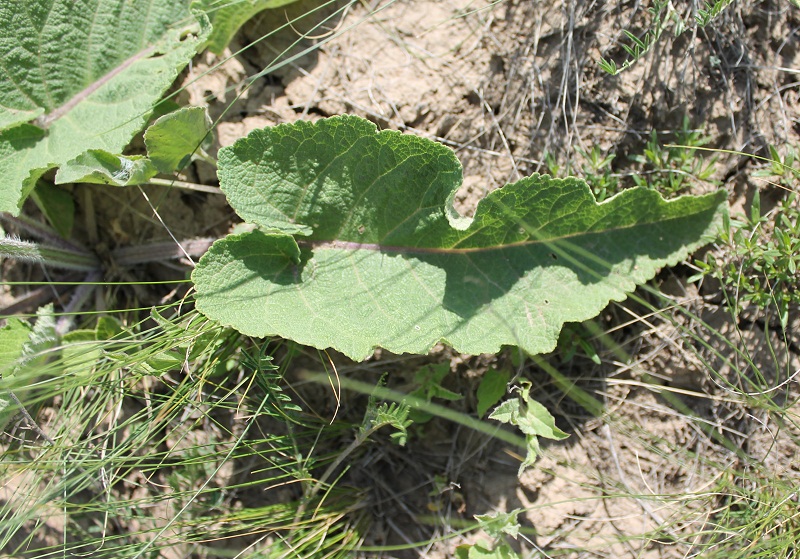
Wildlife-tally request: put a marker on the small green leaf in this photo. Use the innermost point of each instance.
(164, 362)
(80, 352)
(43, 336)
(23, 350)
(172, 139)
(13, 337)
(429, 378)
(491, 389)
(228, 16)
(100, 167)
(477, 551)
(499, 523)
(388, 414)
(57, 205)
(530, 417)
(108, 327)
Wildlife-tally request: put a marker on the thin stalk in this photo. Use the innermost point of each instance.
(361, 438)
(185, 185)
(202, 155)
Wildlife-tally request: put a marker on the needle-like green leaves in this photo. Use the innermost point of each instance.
(359, 246)
(90, 70)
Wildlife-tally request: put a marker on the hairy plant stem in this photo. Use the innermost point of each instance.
(54, 257)
(43, 233)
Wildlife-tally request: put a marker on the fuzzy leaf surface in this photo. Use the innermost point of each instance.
(90, 70)
(360, 247)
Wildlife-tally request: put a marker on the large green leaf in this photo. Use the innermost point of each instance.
(90, 70)
(382, 259)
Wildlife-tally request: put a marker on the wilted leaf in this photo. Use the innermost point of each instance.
(100, 167)
(382, 259)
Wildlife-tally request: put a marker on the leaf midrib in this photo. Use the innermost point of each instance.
(406, 249)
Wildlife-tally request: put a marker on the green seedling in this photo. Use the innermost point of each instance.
(499, 526)
(760, 259)
(662, 15)
(597, 173)
(595, 170)
(530, 417)
(785, 170)
(672, 169)
(661, 12)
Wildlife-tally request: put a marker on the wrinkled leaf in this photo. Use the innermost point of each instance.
(227, 16)
(91, 71)
(97, 166)
(172, 139)
(382, 259)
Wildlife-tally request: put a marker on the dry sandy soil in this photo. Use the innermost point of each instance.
(506, 84)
